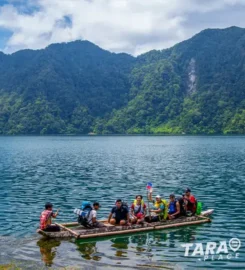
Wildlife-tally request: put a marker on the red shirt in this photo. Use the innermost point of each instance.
(191, 206)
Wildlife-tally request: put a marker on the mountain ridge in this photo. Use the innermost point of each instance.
(194, 87)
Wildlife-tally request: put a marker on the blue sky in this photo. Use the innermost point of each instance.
(132, 26)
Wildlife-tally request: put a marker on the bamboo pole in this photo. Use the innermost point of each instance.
(182, 224)
(145, 229)
(115, 232)
(201, 216)
(70, 224)
(76, 223)
(67, 229)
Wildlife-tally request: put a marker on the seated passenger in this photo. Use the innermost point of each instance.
(160, 209)
(92, 220)
(173, 207)
(190, 203)
(138, 210)
(180, 199)
(46, 219)
(119, 214)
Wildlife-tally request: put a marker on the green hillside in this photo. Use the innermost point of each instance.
(195, 87)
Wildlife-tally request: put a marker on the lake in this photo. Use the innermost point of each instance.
(67, 170)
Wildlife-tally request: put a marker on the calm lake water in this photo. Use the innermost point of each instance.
(67, 170)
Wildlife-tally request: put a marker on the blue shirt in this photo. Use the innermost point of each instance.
(120, 213)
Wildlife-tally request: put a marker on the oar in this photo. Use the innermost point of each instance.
(67, 229)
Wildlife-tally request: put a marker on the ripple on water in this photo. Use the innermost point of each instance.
(67, 170)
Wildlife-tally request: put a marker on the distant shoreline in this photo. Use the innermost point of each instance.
(122, 135)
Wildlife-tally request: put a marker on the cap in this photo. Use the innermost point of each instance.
(187, 190)
(158, 196)
(172, 195)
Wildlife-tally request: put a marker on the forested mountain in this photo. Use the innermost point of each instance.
(195, 87)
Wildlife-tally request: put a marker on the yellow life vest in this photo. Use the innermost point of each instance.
(164, 214)
(142, 202)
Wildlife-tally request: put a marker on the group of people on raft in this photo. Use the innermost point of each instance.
(121, 214)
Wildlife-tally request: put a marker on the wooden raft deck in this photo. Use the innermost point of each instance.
(80, 232)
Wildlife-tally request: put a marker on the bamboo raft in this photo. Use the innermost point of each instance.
(73, 229)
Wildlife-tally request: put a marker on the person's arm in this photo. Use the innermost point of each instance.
(54, 215)
(94, 216)
(150, 196)
(128, 221)
(109, 218)
(191, 201)
(159, 210)
(132, 210)
(112, 211)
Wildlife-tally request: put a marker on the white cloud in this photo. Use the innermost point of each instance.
(133, 26)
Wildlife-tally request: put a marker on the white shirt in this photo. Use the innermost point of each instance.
(92, 215)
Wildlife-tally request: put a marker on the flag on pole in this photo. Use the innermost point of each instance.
(149, 186)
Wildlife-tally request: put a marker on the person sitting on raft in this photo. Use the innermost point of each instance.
(138, 210)
(92, 218)
(173, 207)
(46, 219)
(119, 214)
(190, 203)
(160, 209)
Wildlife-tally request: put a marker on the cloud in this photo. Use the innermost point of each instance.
(133, 26)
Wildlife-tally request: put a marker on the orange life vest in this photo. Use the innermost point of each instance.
(45, 219)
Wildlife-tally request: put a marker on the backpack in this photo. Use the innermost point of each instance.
(84, 213)
(125, 205)
(198, 208)
(165, 213)
(83, 219)
(86, 205)
(181, 204)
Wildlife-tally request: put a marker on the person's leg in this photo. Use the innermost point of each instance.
(140, 218)
(99, 225)
(113, 221)
(123, 222)
(155, 219)
(140, 221)
(52, 228)
(133, 220)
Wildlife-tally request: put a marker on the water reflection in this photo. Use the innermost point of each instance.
(106, 167)
(118, 249)
(48, 249)
(88, 250)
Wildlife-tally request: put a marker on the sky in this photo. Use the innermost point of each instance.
(131, 26)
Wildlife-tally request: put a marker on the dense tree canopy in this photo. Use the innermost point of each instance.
(195, 87)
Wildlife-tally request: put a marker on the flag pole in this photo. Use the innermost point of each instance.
(148, 203)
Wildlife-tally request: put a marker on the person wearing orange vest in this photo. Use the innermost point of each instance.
(46, 219)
